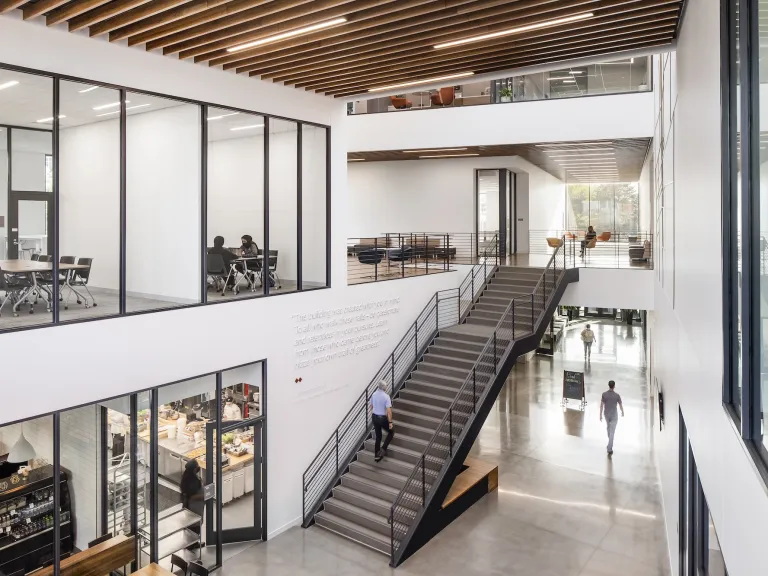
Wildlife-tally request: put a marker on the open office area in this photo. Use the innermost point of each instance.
(116, 202)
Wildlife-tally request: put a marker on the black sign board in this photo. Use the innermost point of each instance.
(209, 491)
(573, 385)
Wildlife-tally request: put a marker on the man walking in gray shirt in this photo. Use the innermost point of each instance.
(608, 404)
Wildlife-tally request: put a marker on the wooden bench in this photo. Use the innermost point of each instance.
(110, 555)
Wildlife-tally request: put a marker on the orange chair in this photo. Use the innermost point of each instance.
(443, 97)
(400, 103)
(604, 237)
(554, 242)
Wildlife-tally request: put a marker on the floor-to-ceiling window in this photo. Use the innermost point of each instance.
(605, 206)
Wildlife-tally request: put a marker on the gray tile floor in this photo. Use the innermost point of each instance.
(562, 509)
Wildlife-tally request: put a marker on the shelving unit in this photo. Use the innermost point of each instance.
(173, 533)
(119, 495)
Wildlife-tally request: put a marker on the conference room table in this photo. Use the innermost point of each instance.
(32, 268)
(234, 272)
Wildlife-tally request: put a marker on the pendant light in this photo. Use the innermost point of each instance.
(22, 451)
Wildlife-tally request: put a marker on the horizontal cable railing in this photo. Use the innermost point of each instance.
(520, 319)
(609, 249)
(444, 309)
(405, 254)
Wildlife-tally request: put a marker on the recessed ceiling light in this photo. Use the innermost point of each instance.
(8, 84)
(110, 105)
(517, 30)
(606, 142)
(118, 111)
(576, 72)
(569, 81)
(433, 150)
(87, 90)
(43, 120)
(250, 126)
(220, 116)
(289, 34)
(421, 81)
(449, 156)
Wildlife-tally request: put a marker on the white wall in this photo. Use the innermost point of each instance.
(611, 288)
(645, 194)
(313, 185)
(592, 118)
(438, 195)
(686, 326)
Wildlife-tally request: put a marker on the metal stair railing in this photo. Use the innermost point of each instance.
(439, 450)
(446, 308)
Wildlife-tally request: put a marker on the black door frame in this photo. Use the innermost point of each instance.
(505, 211)
(14, 197)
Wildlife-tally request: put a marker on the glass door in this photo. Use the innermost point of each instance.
(30, 217)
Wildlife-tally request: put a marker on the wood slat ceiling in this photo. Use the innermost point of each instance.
(381, 43)
(619, 160)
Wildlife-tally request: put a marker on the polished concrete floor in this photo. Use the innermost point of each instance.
(563, 508)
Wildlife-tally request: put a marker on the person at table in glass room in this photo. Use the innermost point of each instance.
(248, 247)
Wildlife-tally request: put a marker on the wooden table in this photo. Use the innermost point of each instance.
(32, 268)
(153, 570)
(110, 555)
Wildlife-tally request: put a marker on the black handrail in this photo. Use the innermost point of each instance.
(435, 453)
(341, 447)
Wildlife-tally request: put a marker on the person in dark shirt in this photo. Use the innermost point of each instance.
(218, 248)
(588, 237)
(248, 247)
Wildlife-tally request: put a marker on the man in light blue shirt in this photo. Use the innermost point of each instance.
(381, 407)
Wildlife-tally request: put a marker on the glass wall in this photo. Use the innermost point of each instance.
(608, 207)
(161, 202)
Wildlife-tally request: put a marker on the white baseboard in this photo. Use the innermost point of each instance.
(284, 528)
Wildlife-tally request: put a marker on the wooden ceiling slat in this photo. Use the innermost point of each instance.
(217, 43)
(167, 17)
(252, 18)
(41, 7)
(134, 15)
(599, 52)
(8, 5)
(410, 59)
(192, 25)
(71, 10)
(419, 32)
(102, 13)
(500, 62)
(414, 18)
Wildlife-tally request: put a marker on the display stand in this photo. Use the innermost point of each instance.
(573, 388)
(119, 495)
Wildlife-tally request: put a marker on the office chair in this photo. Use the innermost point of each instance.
(99, 540)
(195, 568)
(45, 258)
(272, 268)
(15, 286)
(176, 561)
(80, 278)
(35, 257)
(217, 271)
(401, 254)
(443, 97)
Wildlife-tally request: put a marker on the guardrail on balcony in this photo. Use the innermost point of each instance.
(628, 75)
(406, 254)
(610, 249)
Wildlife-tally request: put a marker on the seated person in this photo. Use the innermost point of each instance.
(218, 248)
(248, 247)
(588, 237)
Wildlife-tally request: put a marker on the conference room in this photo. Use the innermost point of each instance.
(115, 201)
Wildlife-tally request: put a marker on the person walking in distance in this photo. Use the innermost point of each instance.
(608, 404)
(381, 407)
(588, 337)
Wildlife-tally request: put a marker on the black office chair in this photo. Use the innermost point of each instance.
(195, 568)
(14, 286)
(80, 278)
(217, 271)
(35, 257)
(99, 540)
(401, 254)
(272, 267)
(45, 258)
(176, 561)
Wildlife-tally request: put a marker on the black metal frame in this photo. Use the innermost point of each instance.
(682, 475)
(504, 210)
(203, 105)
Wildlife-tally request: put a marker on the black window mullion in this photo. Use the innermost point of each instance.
(204, 203)
(153, 473)
(299, 185)
(123, 203)
(55, 217)
(328, 251)
(265, 259)
(57, 493)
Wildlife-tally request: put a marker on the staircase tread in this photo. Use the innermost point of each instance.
(434, 396)
(442, 356)
(369, 454)
(362, 495)
(420, 416)
(395, 448)
(373, 483)
(354, 526)
(383, 471)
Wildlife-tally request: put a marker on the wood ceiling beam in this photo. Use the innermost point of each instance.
(134, 15)
(231, 24)
(41, 7)
(167, 17)
(8, 5)
(603, 51)
(216, 44)
(431, 15)
(504, 57)
(71, 10)
(349, 66)
(102, 13)
(416, 31)
(192, 25)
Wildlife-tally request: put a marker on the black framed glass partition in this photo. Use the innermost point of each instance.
(140, 477)
(118, 195)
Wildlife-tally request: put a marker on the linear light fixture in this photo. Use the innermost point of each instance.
(289, 34)
(110, 105)
(574, 153)
(118, 111)
(422, 81)
(8, 84)
(604, 143)
(434, 150)
(578, 156)
(550, 79)
(44, 120)
(600, 163)
(576, 72)
(569, 81)
(510, 31)
(91, 89)
(449, 156)
(250, 126)
(355, 159)
(220, 116)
